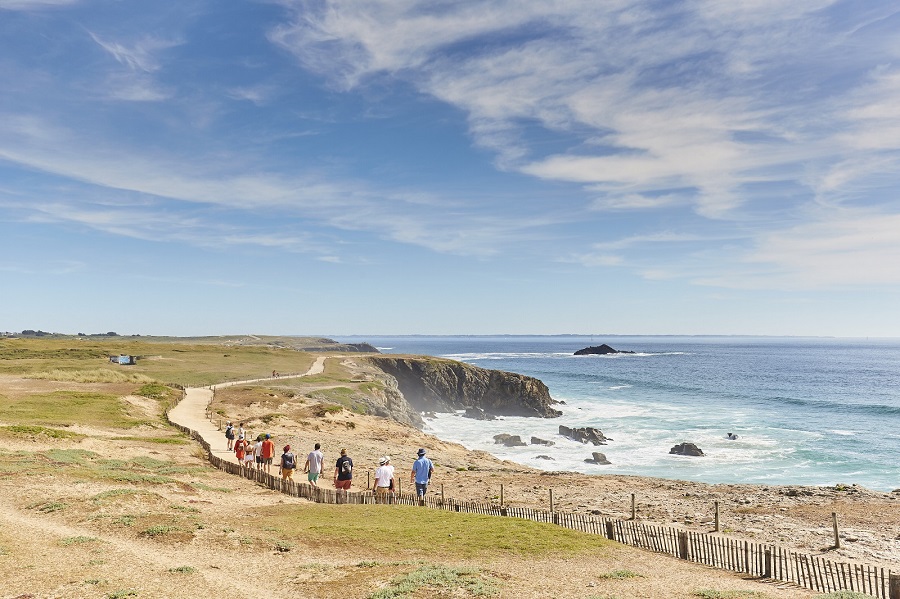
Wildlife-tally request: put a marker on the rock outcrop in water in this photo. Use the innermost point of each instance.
(435, 384)
(600, 350)
(585, 435)
(598, 459)
(686, 449)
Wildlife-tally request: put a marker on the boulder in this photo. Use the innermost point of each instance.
(478, 414)
(600, 350)
(509, 440)
(543, 457)
(686, 449)
(537, 441)
(584, 435)
(598, 459)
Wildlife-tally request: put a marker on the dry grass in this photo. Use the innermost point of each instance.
(99, 375)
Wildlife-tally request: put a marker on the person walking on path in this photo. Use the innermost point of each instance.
(384, 481)
(313, 466)
(257, 452)
(247, 462)
(343, 475)
(422, 469)
(240, 449)
(229, 434)
(267, 453)
(288, 463)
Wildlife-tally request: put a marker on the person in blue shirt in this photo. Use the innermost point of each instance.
(422, 469)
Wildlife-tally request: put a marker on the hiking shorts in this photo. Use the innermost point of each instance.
(342, 484)
(312, 476)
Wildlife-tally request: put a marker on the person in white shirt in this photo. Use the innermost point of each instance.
(313, 467)
(384, 481)
(257, 452)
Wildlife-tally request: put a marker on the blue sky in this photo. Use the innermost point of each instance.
(401, 166)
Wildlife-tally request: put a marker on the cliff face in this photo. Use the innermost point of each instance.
(437, 385)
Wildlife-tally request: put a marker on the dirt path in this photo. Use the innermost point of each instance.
(191, 411)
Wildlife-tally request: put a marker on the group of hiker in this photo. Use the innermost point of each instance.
(262, 453)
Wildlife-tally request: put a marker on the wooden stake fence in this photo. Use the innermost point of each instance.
(754, 559)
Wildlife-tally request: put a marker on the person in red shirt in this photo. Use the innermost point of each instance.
(240, 449)
(268, 452)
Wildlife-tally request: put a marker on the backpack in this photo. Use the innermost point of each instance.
(229, 432)
(346, 467)
(287, 461)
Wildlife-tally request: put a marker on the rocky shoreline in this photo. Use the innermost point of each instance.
(791, 516)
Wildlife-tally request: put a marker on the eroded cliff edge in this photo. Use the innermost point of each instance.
(438, 385)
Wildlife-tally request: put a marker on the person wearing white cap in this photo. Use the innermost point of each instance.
(422, 469)
(384, 481)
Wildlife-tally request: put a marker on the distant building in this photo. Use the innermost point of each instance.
(123, 360)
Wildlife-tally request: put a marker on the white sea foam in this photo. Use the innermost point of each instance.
(782, 398)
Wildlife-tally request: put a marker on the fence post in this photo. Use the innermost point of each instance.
(894, 586)
(442, 493)
(837, 538)
(767, 567)
(683, 545)
(717, 517)
(633, 508)
(368, 480)
(501, 495)
(610, 530)
(551, 500)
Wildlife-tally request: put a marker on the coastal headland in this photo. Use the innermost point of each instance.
(93, 476)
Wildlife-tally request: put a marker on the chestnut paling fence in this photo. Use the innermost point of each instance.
(754, 559)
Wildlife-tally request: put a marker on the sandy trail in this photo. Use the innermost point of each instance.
(191, 411)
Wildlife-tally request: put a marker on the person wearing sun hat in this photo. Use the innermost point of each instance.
(422, 469)
(384, 480)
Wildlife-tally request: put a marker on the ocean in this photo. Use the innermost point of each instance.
(806, 411)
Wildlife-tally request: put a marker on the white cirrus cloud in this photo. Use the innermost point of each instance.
(32, 5)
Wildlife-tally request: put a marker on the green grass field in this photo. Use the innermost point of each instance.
(193, 364)
(429, 534)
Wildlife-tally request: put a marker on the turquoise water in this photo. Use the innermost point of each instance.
(806, 411)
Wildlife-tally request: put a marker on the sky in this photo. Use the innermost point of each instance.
(364, 167)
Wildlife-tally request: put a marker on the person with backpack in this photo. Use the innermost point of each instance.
(229, 434)
(240, 449)
(343, 474)
(288, 463)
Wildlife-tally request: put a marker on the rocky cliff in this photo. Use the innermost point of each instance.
(438, 385)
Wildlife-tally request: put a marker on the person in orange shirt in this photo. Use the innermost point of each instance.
(268, 452)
